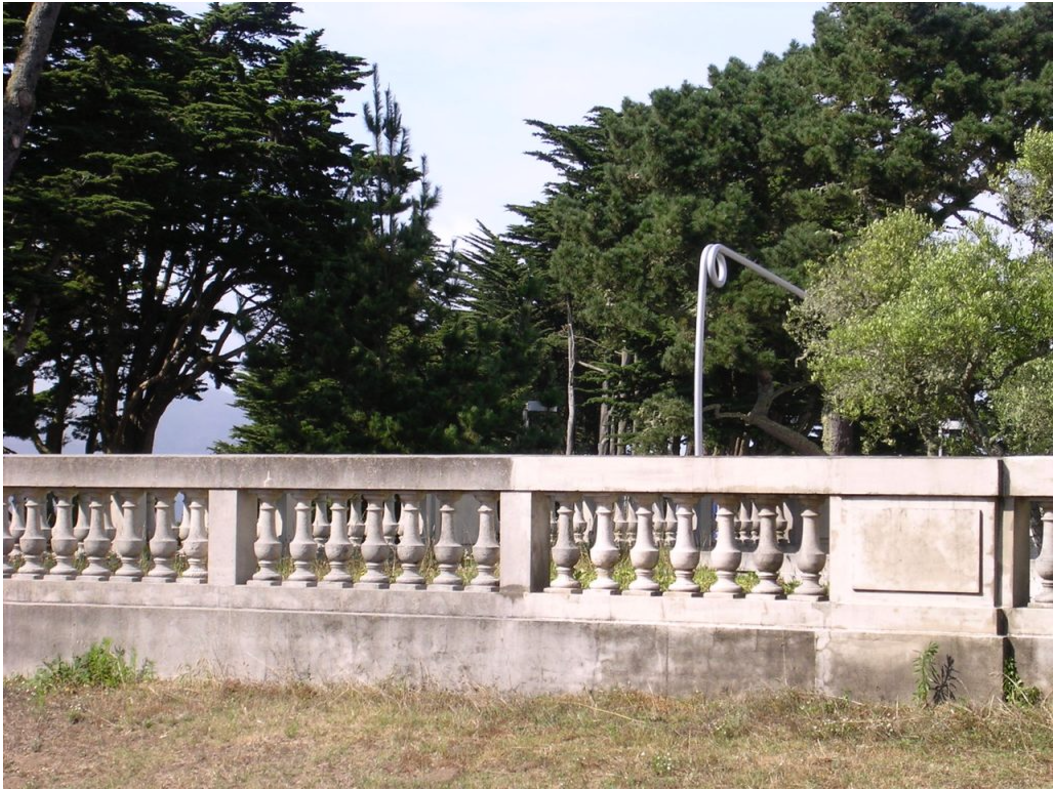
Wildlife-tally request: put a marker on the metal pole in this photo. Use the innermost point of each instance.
(713, 266)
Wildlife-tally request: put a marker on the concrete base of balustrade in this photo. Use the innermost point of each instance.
(534, 644)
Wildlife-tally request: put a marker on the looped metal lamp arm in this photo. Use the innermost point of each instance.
(713, 266)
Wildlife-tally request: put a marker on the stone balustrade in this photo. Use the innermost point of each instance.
(843, 545)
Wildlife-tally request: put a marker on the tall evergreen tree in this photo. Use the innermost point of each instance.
(358, 361)
(179, 174)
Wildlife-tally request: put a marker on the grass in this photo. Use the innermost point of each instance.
(197, 733)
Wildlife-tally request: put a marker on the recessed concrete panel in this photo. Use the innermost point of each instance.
(917, 550)
(880, 666)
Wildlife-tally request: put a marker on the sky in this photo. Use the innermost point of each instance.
(467, 76)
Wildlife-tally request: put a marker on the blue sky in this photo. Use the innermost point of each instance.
(467, 75)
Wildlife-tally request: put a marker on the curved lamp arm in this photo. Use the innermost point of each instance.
(713, 266)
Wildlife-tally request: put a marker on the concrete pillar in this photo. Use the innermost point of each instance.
(232, 536)
(524, 541)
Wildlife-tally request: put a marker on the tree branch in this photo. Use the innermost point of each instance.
(20, 92)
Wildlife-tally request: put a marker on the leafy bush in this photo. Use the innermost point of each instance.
(102, 665)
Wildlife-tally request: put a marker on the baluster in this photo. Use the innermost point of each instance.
(163, 546)
(755, 522)
(338, 546)
(1045, 560)
(375, 550)
(109, 508)
(768, 559)
(268, 548)
(9, 539)
(604, 553)
(726, 555)
(129, 540)
(180, 528)
(356, 526)
(80, 528)
(97, 544)
(447, 550)
(810, 558)
(684, 557)
(658, 522)
(63, 542)
(487, 548)
(669, 524)
(411, 549)
(581, 523)
(18, 522)
(32, 542)
(565, 553)
(743, 531)
(196, 544)
(631, 523)
(303, 548)
(320, 527)
(391, 523)
(621, 523)
(644, 555)
(783, 523)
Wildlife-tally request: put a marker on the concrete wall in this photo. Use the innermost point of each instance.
(536, 643)
(918, 550)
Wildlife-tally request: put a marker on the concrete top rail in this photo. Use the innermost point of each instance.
(930, 477)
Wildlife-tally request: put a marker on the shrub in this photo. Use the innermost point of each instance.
(102, 665)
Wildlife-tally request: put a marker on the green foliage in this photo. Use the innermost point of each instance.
(375, 353)
(923, 667)
(184, 185)
(908, 330)
(894, 106)
(179, 175)
(1025, 188)
(934, 683)
(1015, 692)
(102, 665)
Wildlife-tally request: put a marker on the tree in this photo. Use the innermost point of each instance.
(363, 349)
(911, 330)
(179, 174)
(892, 107)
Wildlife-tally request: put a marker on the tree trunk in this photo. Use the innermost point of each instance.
(604, 439)
(20, 92)
(620, 436)
(572, 359)
(758, 417)
(839, 435)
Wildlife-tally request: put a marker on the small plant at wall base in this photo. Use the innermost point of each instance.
(934, 683)
(1015, 692)
(102, 664)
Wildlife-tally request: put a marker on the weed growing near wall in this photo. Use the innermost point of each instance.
(102, 665)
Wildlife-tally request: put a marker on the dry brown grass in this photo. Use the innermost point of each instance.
(225, 734)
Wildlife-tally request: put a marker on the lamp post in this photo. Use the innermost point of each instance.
(713, 266)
